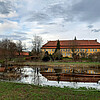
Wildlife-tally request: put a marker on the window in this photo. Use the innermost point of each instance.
(49, 49)
(63, 49)
(44, 49)
(52, 49)
(69, 54)
(90, 49)
(83, 49)
(66, 54)
(66, 49)
(80, 49)
(63, 54)
(95, 49)
(86, 49)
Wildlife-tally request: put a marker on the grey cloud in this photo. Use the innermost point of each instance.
(1, 21)
(5, 7)
(9, 36)
(90, 26)
(21, 33)
(51, 23)
(83, 10)
(60, 10)
(95, 30)
(86, 10)
(38, 16)
(14, 37)
(22, 38)
(57, 10)
(44, 33)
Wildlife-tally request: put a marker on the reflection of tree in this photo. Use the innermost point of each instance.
(58, 77)
(36, 78)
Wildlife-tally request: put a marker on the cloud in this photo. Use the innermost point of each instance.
(86, 10)
(57, 9)
(21, 33)
(8, 26)
(10, 36)
(90, 26)
(38, 16)
(44, 33)
(5, 7)
(14, 37)
(95, 30)
(79, 10)
(11, 14)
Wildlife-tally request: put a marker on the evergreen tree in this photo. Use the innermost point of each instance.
(57, 54)
(46, 57)
(58, 46)
(75, 38)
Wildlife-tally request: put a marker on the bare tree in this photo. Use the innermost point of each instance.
(73, 46)
(4, 50)
(12, 48)
(83, 54)
(7, 50)
(19, 47)
(36, 44)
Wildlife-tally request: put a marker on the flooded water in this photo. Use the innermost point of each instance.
(60, 76)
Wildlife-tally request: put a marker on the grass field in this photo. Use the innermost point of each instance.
(18, 91)
(28, 63)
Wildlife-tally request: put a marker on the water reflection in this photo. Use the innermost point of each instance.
(55, 76)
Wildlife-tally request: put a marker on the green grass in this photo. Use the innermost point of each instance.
(18, 91)
(59, 63)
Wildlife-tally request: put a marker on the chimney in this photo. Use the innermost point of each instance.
(96, 40)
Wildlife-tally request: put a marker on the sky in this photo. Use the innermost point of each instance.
(50, 19)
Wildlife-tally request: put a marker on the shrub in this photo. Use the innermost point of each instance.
(46, 56)
(57, 55)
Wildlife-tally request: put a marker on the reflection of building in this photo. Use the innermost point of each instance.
(66, 46)
(67, 74)
(50, 70)
(71, 70)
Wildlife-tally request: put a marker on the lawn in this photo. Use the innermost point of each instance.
(56, 63)
(18, 91)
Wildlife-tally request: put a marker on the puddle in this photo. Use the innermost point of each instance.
(31, 75)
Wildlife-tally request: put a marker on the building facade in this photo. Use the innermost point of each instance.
(67, 47)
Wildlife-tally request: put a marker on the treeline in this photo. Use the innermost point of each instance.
(9, 49)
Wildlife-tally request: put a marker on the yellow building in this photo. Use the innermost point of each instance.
(67, 46)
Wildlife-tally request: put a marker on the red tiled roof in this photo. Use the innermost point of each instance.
(70, 43)
(23, 53)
